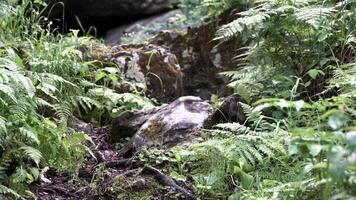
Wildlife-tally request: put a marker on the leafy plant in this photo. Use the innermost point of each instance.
(44, 79)
(293, 47)
(300, 61)
(231, 151)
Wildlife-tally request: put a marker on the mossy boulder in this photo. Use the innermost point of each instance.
(168, 125)
(201, 57)
(152, 65)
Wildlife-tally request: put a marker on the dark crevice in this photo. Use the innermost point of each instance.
(94, 26)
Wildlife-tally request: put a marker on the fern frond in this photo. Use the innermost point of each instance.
(8, 91)
(30, 134)
(63, 110)
(76, 139)
(3, 128)
(236, 128)
(43, 103)
(7, 191)
(87, 103)
(230, 31)
(313, 15)
(32, 153)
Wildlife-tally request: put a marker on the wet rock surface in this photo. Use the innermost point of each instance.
(167, 126)
(143, 29)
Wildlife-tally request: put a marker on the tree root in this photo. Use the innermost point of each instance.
(166, 180)
(119, 163)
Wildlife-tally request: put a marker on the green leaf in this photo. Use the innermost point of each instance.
(246, 180)
(35, 172)
(29, 134)
(19, 176)
(293, 149)
(314, 149)
(237, 170)
(177, 176)
(337, 120)
(113, 77)
(99, 75)
(313, 73)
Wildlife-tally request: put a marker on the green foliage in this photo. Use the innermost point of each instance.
(198, 10)
(300, 61)
(293, 47)
(301, 50)
(231, 151)
(44, 79)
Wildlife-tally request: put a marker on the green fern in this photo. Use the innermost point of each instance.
(277, 59)
(7, 191)
(258, 142)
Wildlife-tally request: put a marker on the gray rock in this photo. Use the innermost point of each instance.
(150, 64)
(201, 57)
(167, 126)
(229, 111)
(129, 122)
(142, 30)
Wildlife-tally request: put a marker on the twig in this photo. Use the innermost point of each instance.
(166, 180)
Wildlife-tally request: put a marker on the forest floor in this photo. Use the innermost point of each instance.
(98, 178)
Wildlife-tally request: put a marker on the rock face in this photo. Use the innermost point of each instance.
(79, 125)
(129, 122)
(230, 110)
(167, 125)
(114, 8)
(201, 60)
(150, 64)
(142, 29)
(200, 57)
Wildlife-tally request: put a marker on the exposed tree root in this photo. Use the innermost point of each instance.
(166, 180)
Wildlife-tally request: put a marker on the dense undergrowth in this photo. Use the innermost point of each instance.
(44, 79)
(297, 74)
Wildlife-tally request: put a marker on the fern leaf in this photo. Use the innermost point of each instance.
(8, 91)
(313, 16)
(76, 139)
(63, 110)
(7, 191)
(29, 134)
(2, 124)
(32, 153)
(266, 150)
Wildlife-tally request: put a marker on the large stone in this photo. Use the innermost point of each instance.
(113, 8)
(129, 122)
(167, 126)
(229, 110)
(201, 58)
(201, 61)
(150, 64)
